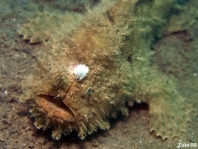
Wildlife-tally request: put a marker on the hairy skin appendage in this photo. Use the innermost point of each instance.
(100, 68)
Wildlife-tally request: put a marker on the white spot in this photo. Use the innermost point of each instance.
(5, 92)
(81, 71)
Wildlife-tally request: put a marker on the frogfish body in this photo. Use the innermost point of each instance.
(113, 41)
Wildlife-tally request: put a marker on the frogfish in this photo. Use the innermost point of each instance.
(101, 67)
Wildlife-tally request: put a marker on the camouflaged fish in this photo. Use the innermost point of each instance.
(100, 68)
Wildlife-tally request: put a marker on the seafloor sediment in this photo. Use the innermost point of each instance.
(176, 55)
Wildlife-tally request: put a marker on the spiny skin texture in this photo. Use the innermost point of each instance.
(114, 42)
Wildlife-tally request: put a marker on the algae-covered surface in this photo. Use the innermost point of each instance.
(176, 55)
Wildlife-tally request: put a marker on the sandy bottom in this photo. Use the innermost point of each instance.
(176, 55)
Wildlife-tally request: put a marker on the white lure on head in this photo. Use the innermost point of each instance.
(81, 71)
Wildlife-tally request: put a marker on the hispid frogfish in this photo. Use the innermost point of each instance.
(100, 67)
